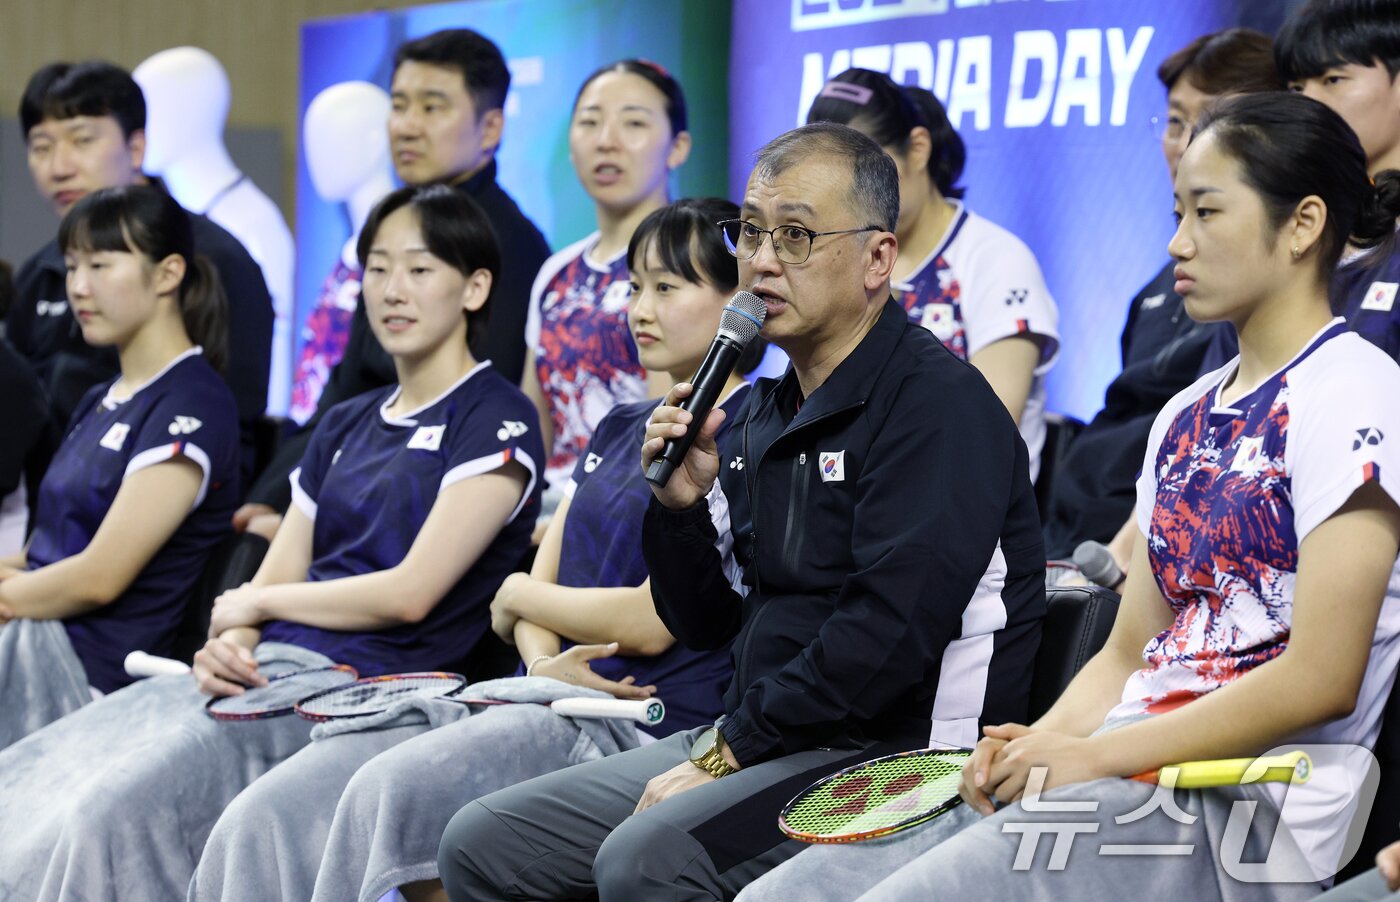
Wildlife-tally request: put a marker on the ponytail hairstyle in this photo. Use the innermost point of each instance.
(141, 219)
(658, 77)
(688, 242)
(1290, 147)
(887, 112)
(454, 230)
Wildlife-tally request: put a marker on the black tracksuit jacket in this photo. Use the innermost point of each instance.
(856, 585)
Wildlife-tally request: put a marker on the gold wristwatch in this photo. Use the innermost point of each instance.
(708, 753)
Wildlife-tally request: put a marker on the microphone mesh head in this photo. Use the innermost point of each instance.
(743, 317)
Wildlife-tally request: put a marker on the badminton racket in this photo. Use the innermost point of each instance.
(373, 695)
(893, 793)
(281, 693)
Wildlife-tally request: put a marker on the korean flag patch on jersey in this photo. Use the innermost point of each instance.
(115, 437)
(427, 438)
(832, 465)
(1380, 296)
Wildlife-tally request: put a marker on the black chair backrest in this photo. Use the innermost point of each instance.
(1077, 623)
(232, 564)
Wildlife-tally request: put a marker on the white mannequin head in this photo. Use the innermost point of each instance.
(187, 97)
(344, 139)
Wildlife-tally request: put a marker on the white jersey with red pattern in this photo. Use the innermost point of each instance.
(979, 285)
(585, 357)
(1227, 496)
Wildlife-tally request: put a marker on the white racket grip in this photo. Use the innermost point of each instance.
(648, 711)
(139, 664)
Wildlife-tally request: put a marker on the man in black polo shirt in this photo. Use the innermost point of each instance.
(84, 127)
(449, 93)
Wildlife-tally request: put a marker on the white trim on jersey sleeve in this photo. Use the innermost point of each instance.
(993, 266)
(490, 463)
(548, 270)
(1147, 478)
(967, 660)
(159, 455)
(300, 499)
(569, 488)
(1343, 428)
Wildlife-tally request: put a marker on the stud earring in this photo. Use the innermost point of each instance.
(1297, 253)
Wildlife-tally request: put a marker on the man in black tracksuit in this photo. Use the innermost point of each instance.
(883, 516)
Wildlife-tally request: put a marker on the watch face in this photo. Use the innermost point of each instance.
(703, 744)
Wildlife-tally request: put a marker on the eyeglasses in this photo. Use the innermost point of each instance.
(1170, 129)
(791, 243)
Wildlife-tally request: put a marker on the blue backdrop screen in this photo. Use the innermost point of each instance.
(1053, 99)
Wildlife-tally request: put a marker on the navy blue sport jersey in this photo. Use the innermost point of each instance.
(602, 546)
(187, 411)
(368, 481)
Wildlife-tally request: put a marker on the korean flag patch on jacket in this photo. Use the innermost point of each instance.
(832, 465)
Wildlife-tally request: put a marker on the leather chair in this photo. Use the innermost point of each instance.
(1077, 623)
(232, 564)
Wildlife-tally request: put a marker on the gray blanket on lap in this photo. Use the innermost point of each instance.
(41, 678)
(398, 778)
(114, 801)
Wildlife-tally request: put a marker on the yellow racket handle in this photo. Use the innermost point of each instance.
(1293, 767)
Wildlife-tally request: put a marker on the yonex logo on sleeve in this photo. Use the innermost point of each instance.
(1367, 436)
(736, 464)
(1153, 302)
(50, 308)
(1017, 296)
(184, 425)
(511, 429)
(115, 437)
(336, 456)
(427, 438)
(833, 465)
(591, 462)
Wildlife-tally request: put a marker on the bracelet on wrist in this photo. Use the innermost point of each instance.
(529, 668)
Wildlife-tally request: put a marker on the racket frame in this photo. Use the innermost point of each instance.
(274, 712)
(369, 681)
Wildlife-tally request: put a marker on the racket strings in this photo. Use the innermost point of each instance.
(875, 797)
(371, 696)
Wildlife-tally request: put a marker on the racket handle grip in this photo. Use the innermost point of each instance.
(648, 711)
(139, 664)
(1293, 767)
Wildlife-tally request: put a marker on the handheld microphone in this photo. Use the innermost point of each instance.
(742, 319)
(1096, 562)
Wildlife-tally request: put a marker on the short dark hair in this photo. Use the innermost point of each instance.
(95, 88)
(483, 68)
(874, 179)
(455, 230)
(688, 242)
(659, 78)
(143, 219)
(1290, 147)
(1327, 33)
(888, 113)
(1233, 61)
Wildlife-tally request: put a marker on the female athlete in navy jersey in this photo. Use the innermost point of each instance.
(588, 586)
(412, 505)
(1267, 511)
(142, 485)
(974, 285)
(376, 569)
(627, 134)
